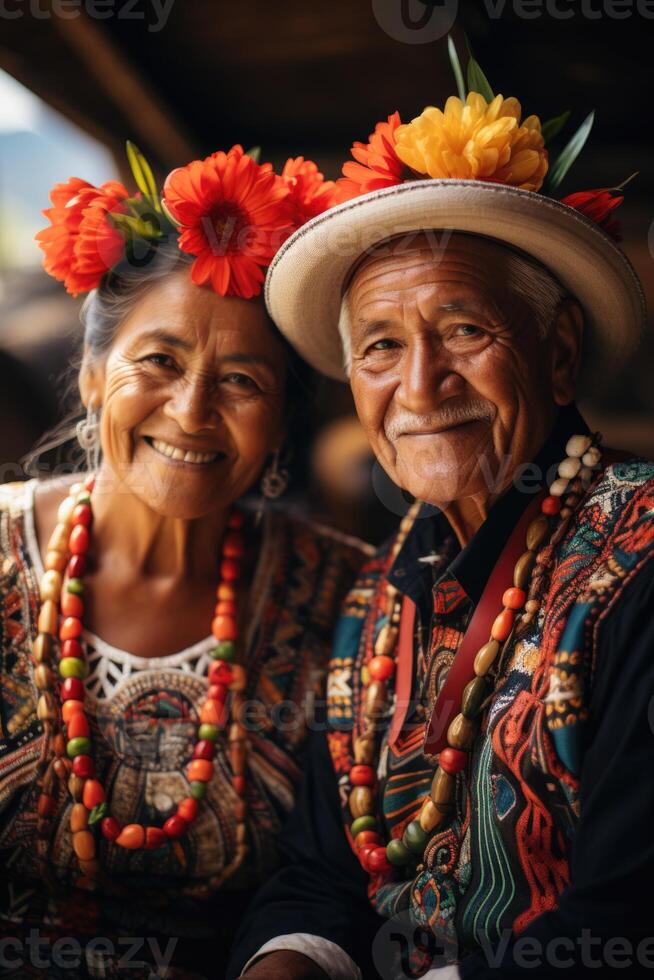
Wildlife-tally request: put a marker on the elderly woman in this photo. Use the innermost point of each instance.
(160, 648)
(491, 685)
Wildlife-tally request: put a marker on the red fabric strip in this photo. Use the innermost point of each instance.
(404, 668)
(448, 702)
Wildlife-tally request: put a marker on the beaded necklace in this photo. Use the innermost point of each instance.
(377, 858)
(60, 625)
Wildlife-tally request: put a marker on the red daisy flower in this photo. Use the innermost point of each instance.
(233, 214)
(81, 244)
(310, 193)
(375, 163)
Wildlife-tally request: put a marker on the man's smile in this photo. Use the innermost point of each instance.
(440, 430)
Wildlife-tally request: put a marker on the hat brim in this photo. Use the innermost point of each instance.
(305, 281)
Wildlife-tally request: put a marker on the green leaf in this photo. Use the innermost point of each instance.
(143, 175)
(456, 67)
(569, 154)
(97, 813)
(133, 205)
(141, 208)
(477, 81)
(123, 222)
(621, 186)
(134, 227)
(168, 216)
(147, 222)
(255, 153)
(553, 127)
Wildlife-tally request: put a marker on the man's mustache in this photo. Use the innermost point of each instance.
(407, 423)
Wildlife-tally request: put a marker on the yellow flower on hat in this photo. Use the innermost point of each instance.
(475, 140)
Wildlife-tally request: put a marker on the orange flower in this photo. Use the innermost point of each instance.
(233, 214)
(310, 193)
(81, 244)
(375, 164)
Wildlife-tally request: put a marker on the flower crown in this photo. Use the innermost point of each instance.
(478, 136)
(229, 211)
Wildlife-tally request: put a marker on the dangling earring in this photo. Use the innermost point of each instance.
(274, 480)
(273, 484)
(88, 436)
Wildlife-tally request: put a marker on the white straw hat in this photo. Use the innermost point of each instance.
(307, 277)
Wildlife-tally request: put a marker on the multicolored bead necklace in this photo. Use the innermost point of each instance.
(583, 457)
(60, 619)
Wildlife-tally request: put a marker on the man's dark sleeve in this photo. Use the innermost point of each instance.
(611, 894)
(321, 887)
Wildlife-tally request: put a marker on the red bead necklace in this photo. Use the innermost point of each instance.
(60, 618)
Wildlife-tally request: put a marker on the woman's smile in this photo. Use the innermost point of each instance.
(182, 455)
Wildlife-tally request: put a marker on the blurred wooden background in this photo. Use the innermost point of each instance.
(306, 78)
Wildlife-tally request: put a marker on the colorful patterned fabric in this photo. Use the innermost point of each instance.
(143, 735)
(504, 858)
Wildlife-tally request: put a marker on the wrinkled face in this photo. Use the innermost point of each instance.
(192, 398)
(452, 381)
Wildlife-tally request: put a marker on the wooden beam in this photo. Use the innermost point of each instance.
(23, 71)
(151, 121)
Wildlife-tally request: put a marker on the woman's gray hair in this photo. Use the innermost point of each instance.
(106, 308)
(525, 277)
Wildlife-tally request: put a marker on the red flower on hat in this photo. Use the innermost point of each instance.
(233, 215)
(81, 244)
(310, 193)
(598, 205)
(375, 164)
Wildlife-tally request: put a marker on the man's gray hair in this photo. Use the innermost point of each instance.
(526, 278)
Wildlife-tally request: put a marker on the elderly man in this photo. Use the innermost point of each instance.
(489, 707)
